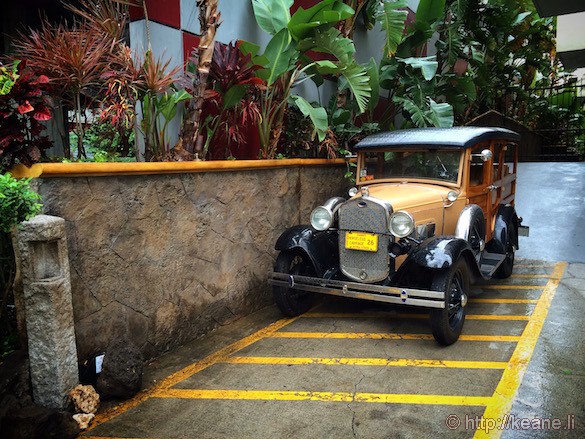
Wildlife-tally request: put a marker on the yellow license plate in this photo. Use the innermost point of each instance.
(367, 242)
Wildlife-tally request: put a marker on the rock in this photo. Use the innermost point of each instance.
(83, 419)
(15, 391)
(121, 375)
(60, 425)
(35, 422)
(85, 399)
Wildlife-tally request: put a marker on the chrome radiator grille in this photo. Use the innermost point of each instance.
(363, 215)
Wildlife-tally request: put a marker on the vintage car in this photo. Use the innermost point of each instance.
(433, 211)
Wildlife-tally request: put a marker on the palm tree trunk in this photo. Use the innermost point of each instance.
(209, 18)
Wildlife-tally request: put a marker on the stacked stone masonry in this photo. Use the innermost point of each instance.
(165, 258)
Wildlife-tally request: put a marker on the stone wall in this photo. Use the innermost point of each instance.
(165, 258)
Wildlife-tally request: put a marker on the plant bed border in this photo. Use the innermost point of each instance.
(105, 169)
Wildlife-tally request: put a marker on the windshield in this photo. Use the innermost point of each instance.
(428, 164)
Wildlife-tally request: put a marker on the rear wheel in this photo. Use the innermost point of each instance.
(505, 269)
(447, 323)
(290, 301)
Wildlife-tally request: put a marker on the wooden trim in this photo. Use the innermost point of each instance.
(49, 170)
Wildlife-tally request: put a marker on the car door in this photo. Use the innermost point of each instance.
(482, 187)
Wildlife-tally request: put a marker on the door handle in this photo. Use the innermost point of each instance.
(492, 187)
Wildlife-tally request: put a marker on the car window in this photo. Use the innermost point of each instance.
(425, 164)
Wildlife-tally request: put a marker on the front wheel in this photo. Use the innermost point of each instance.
(292, 302)
(447, 323)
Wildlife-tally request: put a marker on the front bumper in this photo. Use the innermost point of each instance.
(355, 290)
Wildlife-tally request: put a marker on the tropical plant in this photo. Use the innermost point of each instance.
(507, 48)
(412, 80)
(8, 77)
(22, 112)
(287, 63)
(74, 58)
(18, 202)
(105, 142)
(231, 105)
(159, 99)
(209, 20)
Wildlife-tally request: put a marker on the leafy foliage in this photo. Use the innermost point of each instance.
(393, 17)
(18, 202)
(8, 77)
(232, 104)
(287, 62)
(507, 49)
(22, 112)
(73, 58)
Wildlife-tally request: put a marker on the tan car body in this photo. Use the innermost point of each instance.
(427, 200)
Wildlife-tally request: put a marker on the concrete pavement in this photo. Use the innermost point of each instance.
(350, 369)
(551, 199)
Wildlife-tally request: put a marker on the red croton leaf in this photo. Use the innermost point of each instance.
(42, 113)
(25, 108)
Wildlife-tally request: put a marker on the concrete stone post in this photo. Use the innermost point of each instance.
(49, 313)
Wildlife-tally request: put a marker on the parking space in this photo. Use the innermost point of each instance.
(353, 369)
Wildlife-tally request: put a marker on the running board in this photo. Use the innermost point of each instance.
(489, 263)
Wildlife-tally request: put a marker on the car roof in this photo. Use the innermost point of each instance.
(456, 137)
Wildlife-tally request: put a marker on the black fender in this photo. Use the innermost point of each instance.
(321, 247)
(440, 252)
(505, 218)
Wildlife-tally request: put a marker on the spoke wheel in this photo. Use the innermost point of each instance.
(293, 302)
(505, 269)
(476, 239)
(447, 323)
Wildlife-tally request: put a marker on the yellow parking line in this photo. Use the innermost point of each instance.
(190, 370)
(368, 362)
(374, 315)
(387, 336)
(267, 395)
(495, 317)
(352, 335)
(503, 300)
(534, 266)
(530, 276)
(503, 396)
(365, 315)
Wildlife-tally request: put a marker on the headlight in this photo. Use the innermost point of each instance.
(321, 218)
(401, 224)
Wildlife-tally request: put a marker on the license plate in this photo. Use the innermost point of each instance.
(367, 242)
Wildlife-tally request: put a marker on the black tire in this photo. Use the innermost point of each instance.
(293, 302)
(505, 269)
(447, 323)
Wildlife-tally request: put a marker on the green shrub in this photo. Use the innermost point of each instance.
(18, 202)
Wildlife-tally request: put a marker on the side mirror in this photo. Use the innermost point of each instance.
(484, 156)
